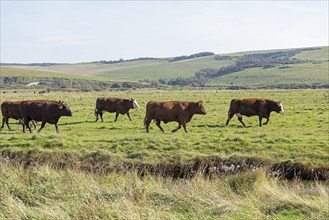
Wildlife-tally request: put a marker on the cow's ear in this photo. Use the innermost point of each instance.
(60, 106)
(200, 102)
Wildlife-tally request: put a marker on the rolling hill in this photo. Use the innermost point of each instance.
(288, 68)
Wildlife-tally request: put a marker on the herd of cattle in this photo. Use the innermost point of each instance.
(49, 111)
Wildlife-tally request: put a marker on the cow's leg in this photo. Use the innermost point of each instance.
(96, 115)
(56, 126)
(147, 122)
(42, 126)
(184, 126)
(182, 121)
(158, 124)
(260, 121)
(34, 124)
(26, 123)
(267, 120)
(3, 123)
(179, 127)
(23, 124)
(229, 116)
(116, 116)
(101, 115)
(5, 120)
(240, 118)
(129, 116)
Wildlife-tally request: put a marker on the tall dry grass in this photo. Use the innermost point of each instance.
(46, 193)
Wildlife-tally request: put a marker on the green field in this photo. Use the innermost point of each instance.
(299, 135)
(95, 170)
(295, 74)
(26, 72)
(44, 190)
(311, 71)
(140, 70)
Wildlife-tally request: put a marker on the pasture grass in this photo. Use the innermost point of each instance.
(46, 193)
(139, 69)
(30, 72)
(300, 135)
(306, 73)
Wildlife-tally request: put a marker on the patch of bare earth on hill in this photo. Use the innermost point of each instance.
(210, 166)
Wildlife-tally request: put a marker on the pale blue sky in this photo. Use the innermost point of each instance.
(79, 31)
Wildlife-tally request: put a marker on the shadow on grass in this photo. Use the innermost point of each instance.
(76, 122)
(210, 126)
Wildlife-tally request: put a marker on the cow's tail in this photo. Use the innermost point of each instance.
(145, 119)
(96, 114)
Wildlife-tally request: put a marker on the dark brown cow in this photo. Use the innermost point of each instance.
(253, 106)
(117, 105)
(10, 109)
(43, 110)
(179, 111)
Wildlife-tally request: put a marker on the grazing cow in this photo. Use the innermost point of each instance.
(179, 111)
(117, 105)
(10, 109)
(43, 110)
(253, 106)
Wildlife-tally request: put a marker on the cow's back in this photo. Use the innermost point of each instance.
(247, 107)
(35, 109)
(163, 111)
(107, 104)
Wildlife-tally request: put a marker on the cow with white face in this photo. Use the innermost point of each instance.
(254, 107)
(117, 105)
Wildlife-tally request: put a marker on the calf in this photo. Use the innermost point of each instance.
(47, 111)
(253, 106)
(179, 111)
(117, 105)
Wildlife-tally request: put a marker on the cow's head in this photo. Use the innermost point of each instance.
(200, 108)
(64, 109)
(278, 107)
(135, 104)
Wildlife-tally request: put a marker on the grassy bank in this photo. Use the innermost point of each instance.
(46, 193)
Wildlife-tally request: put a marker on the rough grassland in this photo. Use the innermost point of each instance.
(45, 193)
(296, 74)
(140, 70)
(27, 72)
(301, 135)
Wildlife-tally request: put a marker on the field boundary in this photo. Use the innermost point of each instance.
(209, 166)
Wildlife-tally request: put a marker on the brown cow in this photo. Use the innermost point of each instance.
(10, 109)
(179, 111)
(117, 105)
(43, 110)
(253, 106)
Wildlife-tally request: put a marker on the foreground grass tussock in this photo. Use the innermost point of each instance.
(213, 165)
(46, 193)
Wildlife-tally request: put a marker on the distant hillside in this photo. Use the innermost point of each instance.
(23, 78)
(288, 68)
(140, 69)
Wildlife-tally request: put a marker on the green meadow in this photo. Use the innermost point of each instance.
(291, 75)
(300, 135)
(73, 175)
(46, 191)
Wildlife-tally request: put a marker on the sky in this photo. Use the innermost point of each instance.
(82, 31)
